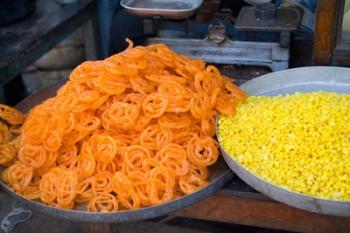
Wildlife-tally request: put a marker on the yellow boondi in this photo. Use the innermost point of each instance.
(300, 142)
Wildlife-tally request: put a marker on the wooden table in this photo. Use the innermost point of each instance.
(239, 204)
(24, 42)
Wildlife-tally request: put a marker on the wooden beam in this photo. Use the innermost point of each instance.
(325, 31)
(262, 212)
(97, 228)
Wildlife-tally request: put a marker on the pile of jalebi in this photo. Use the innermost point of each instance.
(10, 121)
(133, 130)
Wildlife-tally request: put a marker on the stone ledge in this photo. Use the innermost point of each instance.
(61, 58)
(35, 81)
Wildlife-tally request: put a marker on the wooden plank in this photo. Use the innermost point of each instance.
(226, 207)
(98, 228)
(145, 227)
(325, 31)
(340, 60)
(341, 55)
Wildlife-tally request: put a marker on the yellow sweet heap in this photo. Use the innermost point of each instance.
(300, 142)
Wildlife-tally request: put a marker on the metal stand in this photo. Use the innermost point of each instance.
(218, 48)
(271, 55)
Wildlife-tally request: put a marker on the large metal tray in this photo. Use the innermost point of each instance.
(220, 175)
(167, 9)
(306, 79)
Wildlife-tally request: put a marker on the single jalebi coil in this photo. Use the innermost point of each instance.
(131, 131)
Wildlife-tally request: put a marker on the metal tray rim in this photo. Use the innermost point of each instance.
(317, 203)
(129, 215)
(229, 157)
(222, 177)
(148, 10)
(283, 79)
(276, 81)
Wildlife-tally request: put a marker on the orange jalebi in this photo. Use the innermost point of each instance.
(155, 136)
(124, 189)
(5, 133)
(103, 148)
(202, 151)
(11, 115)
(131, 131)
(8, 152)
(103, 202)
(155, 105)
(101, 182)
(173, 157)
(19, 175)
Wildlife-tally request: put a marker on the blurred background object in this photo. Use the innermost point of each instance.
(309, 8)
(220, 32)
(67, 1)
(57, 63)
(13, 10)
(43, 25)
(346, 18)
(256, 2)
